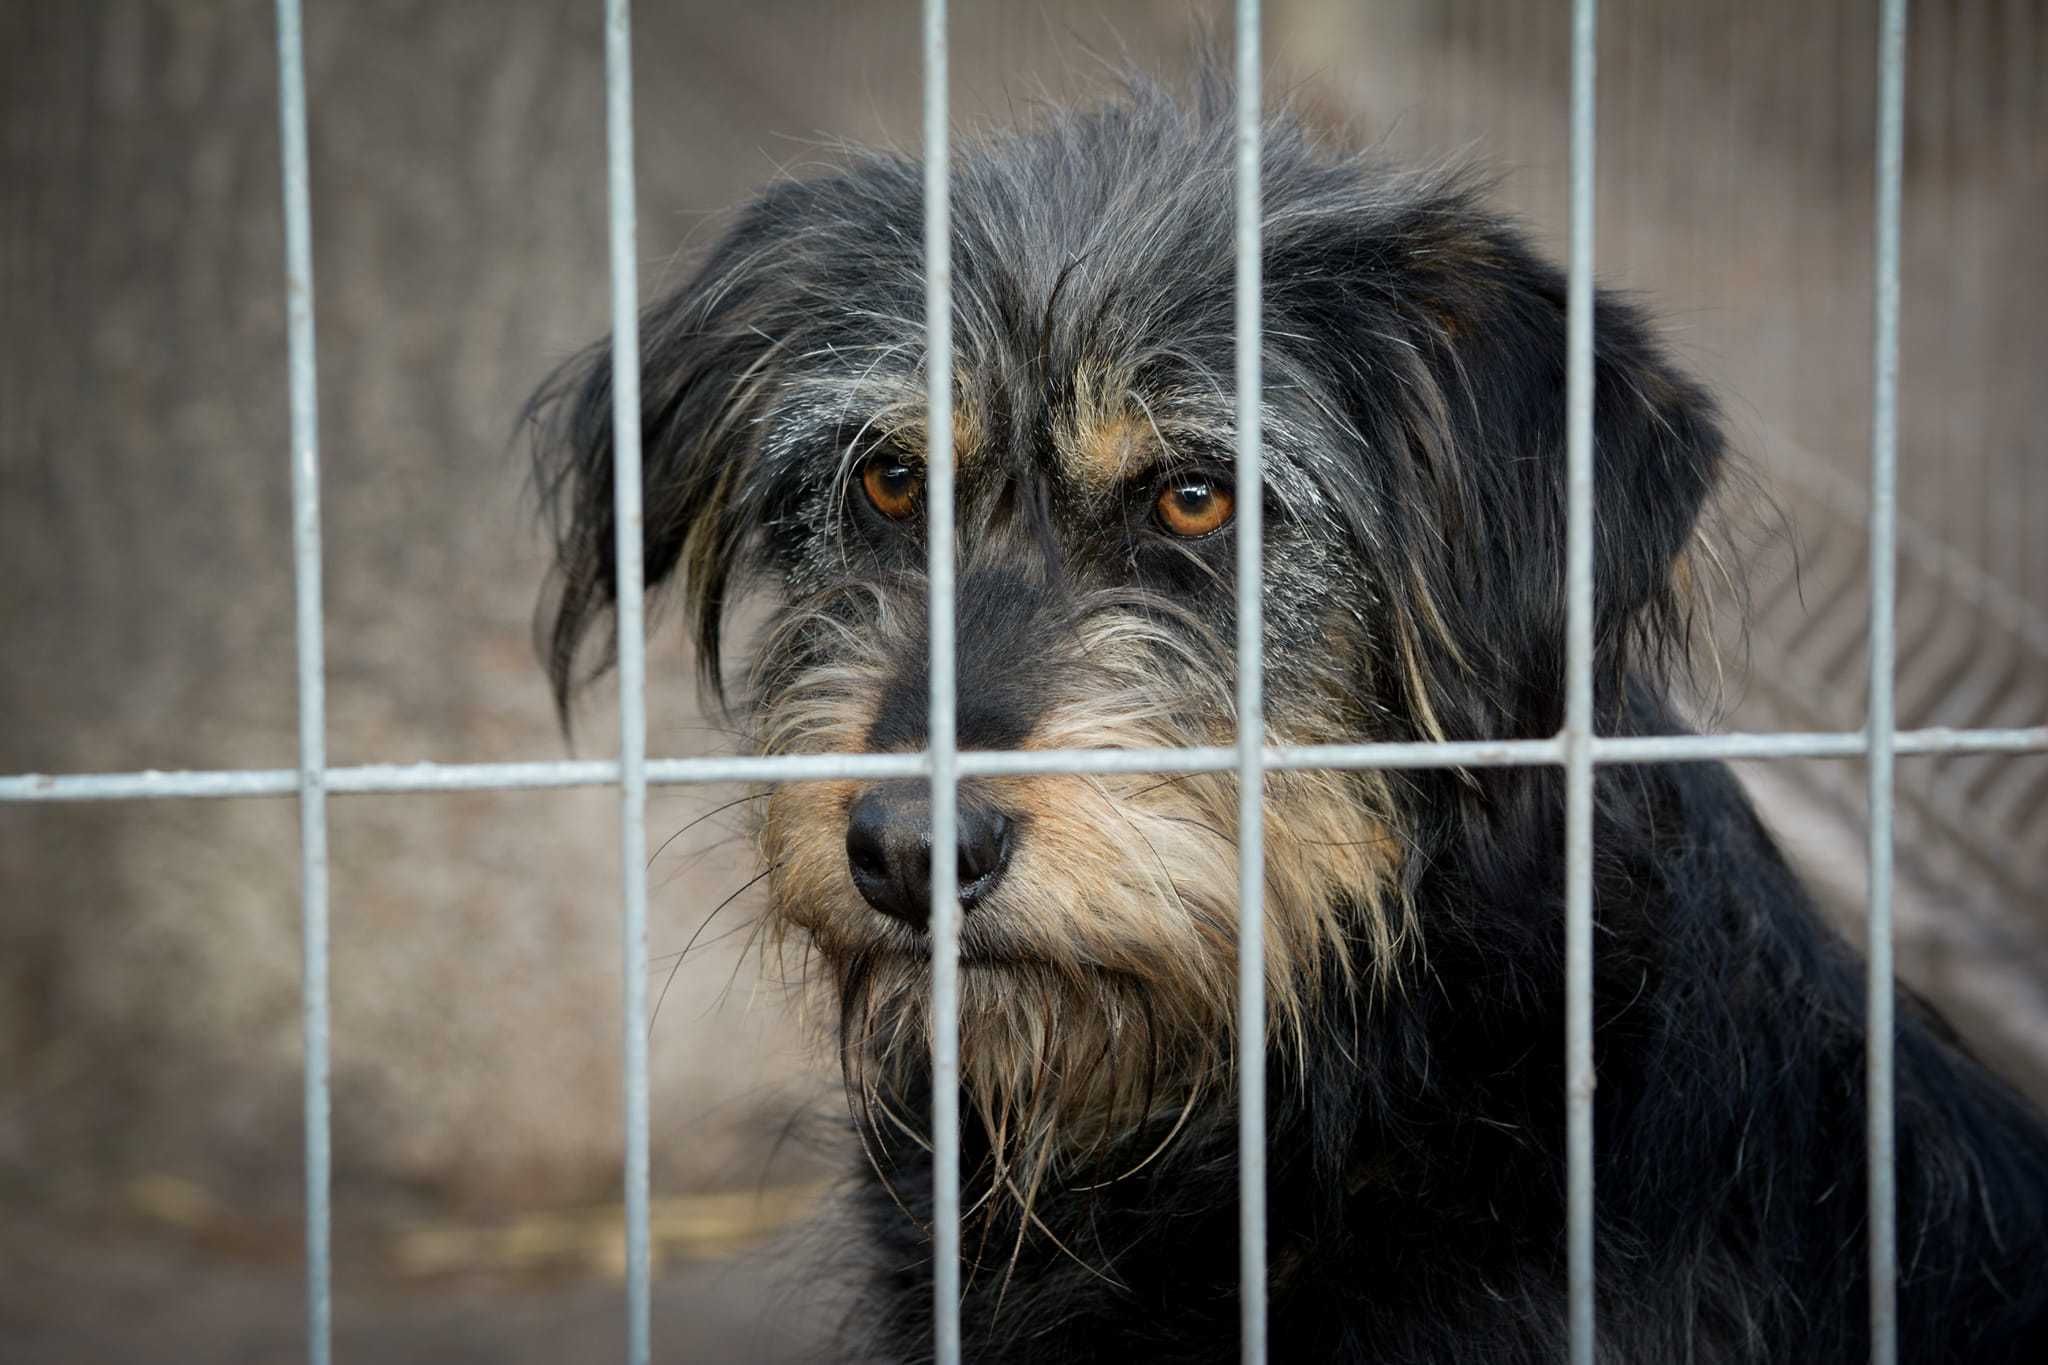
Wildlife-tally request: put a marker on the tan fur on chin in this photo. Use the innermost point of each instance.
(1098, 982)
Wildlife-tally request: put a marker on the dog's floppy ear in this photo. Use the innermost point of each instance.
(707, 368)
(1472, 394)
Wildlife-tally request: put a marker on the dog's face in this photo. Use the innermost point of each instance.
(1413, 508)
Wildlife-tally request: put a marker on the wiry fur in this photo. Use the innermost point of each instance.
(1414, 501)
(1133, 877)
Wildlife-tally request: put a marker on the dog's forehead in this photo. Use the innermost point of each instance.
(1096, 427)
(1093, 317)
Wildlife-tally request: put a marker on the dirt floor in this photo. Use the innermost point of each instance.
(72, 1293)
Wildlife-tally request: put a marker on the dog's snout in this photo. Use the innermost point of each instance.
(889, 850)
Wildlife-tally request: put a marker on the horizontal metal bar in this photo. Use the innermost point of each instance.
(148, 785)
(1480, 754)
(1504, 753)
(671, 772)
(398, 777)
(1939, 739)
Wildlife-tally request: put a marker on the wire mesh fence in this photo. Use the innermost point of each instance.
(1577, 749)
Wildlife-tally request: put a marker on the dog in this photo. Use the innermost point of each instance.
(1414, 504)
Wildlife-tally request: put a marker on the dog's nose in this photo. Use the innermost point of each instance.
(889, 850)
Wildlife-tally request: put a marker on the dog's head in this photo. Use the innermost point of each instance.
(1413, 500)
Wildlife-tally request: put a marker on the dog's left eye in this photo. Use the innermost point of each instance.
(1191, 505)
(892, 486)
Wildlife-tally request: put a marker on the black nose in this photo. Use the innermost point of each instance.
(889, 850)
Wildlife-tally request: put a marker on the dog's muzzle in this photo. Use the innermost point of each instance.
(889, 850)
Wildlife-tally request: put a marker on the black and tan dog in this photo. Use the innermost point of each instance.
(1414, 509)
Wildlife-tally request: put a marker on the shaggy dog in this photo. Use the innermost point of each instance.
(1413, 496)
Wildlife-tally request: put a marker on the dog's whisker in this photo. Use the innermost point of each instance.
(715, 810)
(655, 1014)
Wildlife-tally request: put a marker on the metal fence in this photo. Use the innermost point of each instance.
(1577, 749)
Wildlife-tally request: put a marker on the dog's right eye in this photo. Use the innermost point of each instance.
(892, 486)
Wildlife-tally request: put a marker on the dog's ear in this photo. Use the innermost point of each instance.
(1465, 383)
(707, 360)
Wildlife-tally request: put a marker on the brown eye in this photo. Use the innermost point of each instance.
(1194, 505)
(892, 486)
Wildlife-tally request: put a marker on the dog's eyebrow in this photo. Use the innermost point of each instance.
(1158, 436)
(901, 424)
(1115, 429)
(1105, 449)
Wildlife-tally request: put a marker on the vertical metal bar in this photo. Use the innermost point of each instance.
(1578, 725)
(1882, 721)
(298, 246)
(1251, 723)
(938, 317)
(632, 646)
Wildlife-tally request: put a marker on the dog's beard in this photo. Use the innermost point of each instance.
(1066, 1072)
(1096, 996)
(1098, 980)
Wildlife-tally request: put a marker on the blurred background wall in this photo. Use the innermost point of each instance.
(149, 1045)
